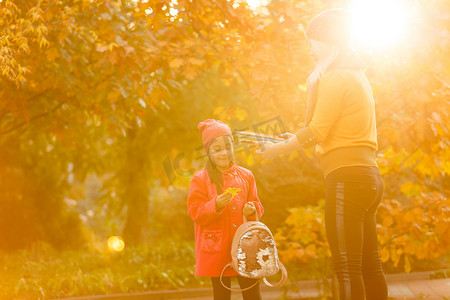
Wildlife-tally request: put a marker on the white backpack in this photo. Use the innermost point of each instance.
(254, 254)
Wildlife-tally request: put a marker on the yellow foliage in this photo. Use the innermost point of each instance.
(387, 221)
(196, 61)
(303, 235)
(176, 63)
(101, 47)
(419, 231)
(52, 54)
(384, 254)
(411, 189)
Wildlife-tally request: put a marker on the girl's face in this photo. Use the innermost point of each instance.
(221, 152)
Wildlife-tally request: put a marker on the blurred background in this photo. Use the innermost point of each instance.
(99, 103)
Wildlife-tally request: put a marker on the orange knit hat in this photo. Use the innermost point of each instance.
(212, 129)
(331, 26)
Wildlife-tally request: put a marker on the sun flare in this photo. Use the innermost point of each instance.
(379, 24)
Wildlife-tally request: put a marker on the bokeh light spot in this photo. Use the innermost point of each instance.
(115, 244)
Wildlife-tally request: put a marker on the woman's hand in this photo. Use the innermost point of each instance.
(249, 209)
(222, 200)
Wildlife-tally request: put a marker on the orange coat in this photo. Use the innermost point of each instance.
(214, 231)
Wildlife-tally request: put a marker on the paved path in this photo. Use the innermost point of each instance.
(401, 286)
(421, 289)
(436, 289)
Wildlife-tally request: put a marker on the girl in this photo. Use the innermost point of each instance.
(340, 121)
(216, 213)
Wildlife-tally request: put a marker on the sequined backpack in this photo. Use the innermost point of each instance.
(254, 254)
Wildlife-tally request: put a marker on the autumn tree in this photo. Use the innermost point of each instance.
(116, 89)
(95, 86)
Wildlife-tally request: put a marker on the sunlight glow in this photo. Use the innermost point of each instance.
(254, 4)
(379, 24)
(115, 244)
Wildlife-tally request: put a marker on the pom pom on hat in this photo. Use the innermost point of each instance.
(331, 26)
(211, 129)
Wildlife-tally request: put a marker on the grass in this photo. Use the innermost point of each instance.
(45, 273)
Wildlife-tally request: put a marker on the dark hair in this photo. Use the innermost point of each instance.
(215, 175)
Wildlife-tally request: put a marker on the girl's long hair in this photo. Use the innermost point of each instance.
(214, 175)
(326, 55)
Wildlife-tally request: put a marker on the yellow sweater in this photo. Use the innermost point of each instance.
(344, 120)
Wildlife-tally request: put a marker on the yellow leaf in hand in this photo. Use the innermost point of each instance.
(233, 191)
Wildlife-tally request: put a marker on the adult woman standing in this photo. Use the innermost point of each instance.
(340, 122)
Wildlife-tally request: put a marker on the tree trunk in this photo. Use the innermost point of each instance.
(135, 186)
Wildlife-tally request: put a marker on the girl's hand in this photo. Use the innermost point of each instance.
(222, 200)
(249, 209)
(268, 150)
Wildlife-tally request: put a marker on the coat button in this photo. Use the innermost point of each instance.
(234, 225)
(233, 207)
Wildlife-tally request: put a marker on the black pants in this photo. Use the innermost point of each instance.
(221, 293)
(353, 195)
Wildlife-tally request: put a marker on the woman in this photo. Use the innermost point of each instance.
(217, 214)
(340, 122)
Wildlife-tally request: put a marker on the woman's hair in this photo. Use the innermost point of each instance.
(214, 175)
(326, 55)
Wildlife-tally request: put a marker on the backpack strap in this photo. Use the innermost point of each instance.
(283, 276)
(231, 289)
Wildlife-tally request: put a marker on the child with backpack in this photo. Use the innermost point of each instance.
(220, 195)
